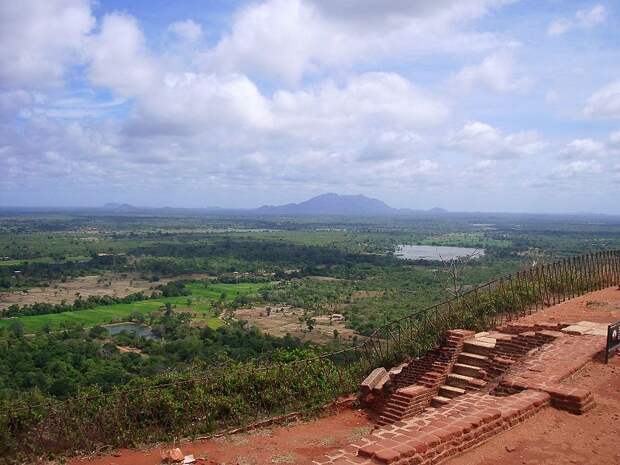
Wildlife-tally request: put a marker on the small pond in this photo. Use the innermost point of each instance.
(434, 252)
(140, 330)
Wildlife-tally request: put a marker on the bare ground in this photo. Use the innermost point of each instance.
(284, 320)
(296, 444)
(112, 284)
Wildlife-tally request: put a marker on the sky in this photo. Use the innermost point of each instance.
(469, 105)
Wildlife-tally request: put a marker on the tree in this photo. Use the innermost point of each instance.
(97, 332)
(168, 309)
(17, 328)
(454, 269)
(136, 316)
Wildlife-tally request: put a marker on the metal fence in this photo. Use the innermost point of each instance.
(182, 404)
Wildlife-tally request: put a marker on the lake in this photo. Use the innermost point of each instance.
(140, 330)
(434, 252)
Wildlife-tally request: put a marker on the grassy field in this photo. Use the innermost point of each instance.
(200, 301)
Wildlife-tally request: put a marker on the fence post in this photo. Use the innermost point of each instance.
(573, 274)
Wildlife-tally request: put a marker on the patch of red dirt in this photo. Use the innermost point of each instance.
(555, 437)
(296, 444)
(599, 306)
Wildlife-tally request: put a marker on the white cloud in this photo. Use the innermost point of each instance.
(187, 30)
(192, 103)
(578, 168)
(584, 148)
(14, 101)
(119, 59)
(389, 12)
(40, 39)
(311, 36)
(559, 26)
(589, 18)
(583, 19)
(482, 140)
(605, 103)
(298, 95)
(495, 72)
(385, 99)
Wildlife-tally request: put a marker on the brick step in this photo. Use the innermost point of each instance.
(468, 358)
(398, 403)
(464, 382)
(429, 379)
(429, 384)
(460, 381)
(388, 418)
(478, 347)
(439, 401)
(469, 370)
(450, 391)
(393, 413)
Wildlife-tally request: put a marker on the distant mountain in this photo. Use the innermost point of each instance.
(325, 204)
(120, 207)
(332, 204)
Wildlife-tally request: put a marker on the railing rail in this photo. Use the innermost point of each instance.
(236, 395)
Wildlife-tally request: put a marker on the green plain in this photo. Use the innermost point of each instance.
(202, 298)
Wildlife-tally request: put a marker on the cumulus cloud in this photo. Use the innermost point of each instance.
(372, 98)
(605, 103)
(495, 72)
(580, 148)
(188, 103)
(119, 59)
(296, 94)
(39, 40)
(583, 19)
(187, 30)
(312, 35)
(578, 168)
(480, 139)
(390, 11)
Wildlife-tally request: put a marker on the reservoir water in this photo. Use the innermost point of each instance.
(140, 330)
(434, 252)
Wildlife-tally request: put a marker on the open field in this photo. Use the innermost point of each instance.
(283, 320)
(112, 284)
(199, 302)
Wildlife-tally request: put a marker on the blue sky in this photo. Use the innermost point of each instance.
(485, 105)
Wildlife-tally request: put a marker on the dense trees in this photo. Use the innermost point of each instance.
(59, 364)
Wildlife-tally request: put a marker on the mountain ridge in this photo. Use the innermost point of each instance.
(334, 204)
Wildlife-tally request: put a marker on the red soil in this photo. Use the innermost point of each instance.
(297, 444)
(600, 307)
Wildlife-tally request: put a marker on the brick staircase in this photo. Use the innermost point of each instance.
(470, 389)
(468, 373)
(464, 363)
(416, 383)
